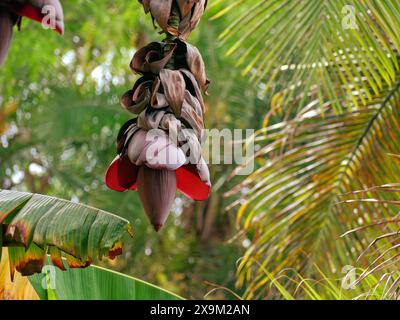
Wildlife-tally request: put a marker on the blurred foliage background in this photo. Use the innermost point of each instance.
(59, 118)
(324, 98)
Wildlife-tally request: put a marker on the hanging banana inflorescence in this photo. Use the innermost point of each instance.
(47, 12)
(160, 150)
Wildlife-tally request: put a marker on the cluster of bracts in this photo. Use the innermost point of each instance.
(160, 150)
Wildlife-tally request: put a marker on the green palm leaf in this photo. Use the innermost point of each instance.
(339, 90)
(305, 164)
(35, 224)
(291, 47)
(381, 256)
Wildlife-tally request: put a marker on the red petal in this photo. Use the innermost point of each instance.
(121, 175)
(31, 12)
(190, 184)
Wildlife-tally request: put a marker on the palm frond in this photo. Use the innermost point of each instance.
(383, 252)
(290, 47)
(305, 164)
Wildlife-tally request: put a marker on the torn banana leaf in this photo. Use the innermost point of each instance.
(19, 289)
(34, 225)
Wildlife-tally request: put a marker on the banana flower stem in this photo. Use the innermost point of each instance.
(173, 21)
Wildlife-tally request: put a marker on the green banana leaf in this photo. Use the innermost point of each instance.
(32, 225)
(95, 283)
